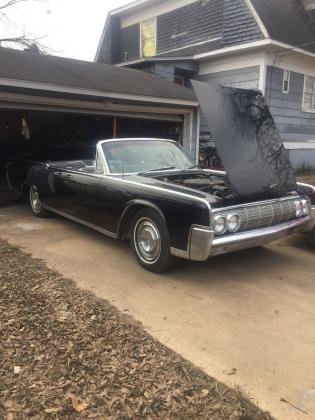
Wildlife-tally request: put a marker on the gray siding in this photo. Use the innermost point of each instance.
(292, 122)
(130, 43)
(105, 55)
(229, 20)
(165, 70)
(196, 22)
(110, 49)
(302, 159)
(247, 78)
(239, 26)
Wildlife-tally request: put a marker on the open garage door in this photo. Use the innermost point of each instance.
(73, 135)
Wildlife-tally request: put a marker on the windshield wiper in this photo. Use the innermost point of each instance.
(158, 170)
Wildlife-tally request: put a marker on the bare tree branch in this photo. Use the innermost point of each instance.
(11, 3)
(30, 44)
(23, 41)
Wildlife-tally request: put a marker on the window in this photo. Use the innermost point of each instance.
(179, 80)
(286, 81)
(134, 156)
(309, 94)
(98, 164)
(148, 38)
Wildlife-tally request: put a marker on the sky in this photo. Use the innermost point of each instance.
(69, 28)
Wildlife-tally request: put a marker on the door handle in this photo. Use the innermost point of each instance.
(68, 176)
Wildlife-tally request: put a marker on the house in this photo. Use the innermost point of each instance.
(48, 101)
(260, 44)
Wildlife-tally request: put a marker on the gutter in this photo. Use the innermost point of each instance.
(224, 51)
(251, 46)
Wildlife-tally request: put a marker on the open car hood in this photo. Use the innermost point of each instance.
(247, 140)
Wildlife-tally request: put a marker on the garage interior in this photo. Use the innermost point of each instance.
(62, 136)
(57, 108)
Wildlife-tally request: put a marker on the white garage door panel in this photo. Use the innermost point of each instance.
(38, 103)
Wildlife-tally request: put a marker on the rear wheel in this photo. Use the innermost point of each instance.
(36, 204)
(150, 241)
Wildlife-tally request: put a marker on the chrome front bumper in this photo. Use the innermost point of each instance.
(203, 243)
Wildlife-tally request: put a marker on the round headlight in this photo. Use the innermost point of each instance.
(306, 205)
(233, 222)
(219, 225)
(298, 208)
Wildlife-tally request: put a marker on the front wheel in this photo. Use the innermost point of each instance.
(150, 241)
(36, 204)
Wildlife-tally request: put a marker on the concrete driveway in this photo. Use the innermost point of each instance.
(248, 318)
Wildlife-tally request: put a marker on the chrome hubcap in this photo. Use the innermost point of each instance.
(147, 240)
(35, 201)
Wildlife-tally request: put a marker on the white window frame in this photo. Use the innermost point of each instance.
(155, 35)
(304, 92)
(286, 71)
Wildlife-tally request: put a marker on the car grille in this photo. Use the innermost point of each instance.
(263, 214)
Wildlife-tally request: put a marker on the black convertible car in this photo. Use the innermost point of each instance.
(152, 192)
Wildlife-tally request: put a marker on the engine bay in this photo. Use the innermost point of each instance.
(210, 183)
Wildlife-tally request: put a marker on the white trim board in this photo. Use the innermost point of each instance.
(234, 49)
(299, 145)
(293, 62)
(242, 60)
(255, 45)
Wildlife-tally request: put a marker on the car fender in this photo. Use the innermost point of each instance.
(132, 207)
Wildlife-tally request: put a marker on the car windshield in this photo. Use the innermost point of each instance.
(134, 156)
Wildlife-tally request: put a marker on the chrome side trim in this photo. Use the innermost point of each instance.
(306, 185)
(82, 222)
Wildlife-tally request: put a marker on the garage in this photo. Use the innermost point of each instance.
(59, 108)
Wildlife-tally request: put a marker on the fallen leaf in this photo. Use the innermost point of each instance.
(51, 410)
(204, 393)
(17, 369)
(77, 405)
(230, 373)
(62, 316)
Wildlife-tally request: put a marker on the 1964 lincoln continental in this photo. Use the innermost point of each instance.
(151, 192)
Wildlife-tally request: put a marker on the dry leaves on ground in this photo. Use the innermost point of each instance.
(67, 354)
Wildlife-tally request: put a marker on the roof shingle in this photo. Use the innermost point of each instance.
(65, 72)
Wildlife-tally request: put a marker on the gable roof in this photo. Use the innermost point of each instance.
(242, 21)
(286, 21)
(48, 72)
